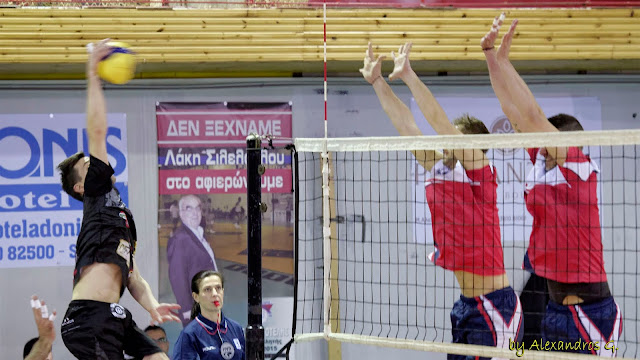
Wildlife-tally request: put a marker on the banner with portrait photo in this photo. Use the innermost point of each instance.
(203, 195)
(39, 222)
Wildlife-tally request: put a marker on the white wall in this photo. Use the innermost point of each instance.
(348, 98)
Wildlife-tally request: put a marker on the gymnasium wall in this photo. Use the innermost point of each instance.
(50, 43)
(351, 102)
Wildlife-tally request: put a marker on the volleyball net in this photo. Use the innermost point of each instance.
(366, 236)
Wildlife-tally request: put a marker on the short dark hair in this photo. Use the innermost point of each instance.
(468, 124)
(564, 122)
(69, 176)
(154, 327)
(28, 346)
(195, 287)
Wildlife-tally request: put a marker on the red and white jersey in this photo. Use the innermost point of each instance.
(566, 241)
(464, 219)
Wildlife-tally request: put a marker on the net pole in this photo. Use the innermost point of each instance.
(254, 331)
(330, 265)
(326, 222)
(324, 52)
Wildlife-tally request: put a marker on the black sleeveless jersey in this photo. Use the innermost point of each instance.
(108, 232)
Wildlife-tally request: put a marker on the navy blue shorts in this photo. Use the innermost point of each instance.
(493, 319)
(588, 329)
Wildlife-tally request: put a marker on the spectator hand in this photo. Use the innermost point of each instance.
(44, 320)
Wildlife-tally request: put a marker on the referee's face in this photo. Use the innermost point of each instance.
(211, 295)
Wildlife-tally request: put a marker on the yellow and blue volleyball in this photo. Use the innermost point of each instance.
(119, 66)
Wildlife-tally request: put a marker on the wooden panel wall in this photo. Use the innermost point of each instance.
(233, 42)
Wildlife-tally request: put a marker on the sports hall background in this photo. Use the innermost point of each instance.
(184, 58)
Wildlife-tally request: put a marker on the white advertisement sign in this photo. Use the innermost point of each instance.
(277, 316)
(39, 222)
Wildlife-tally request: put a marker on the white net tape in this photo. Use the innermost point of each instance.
(493, 141)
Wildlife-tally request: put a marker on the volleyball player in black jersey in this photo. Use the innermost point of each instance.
(95, 326)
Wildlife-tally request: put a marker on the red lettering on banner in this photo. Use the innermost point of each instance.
(220, 181)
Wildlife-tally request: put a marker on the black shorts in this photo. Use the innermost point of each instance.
(94, 330)
(589, 292)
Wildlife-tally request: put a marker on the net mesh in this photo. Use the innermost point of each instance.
(371, 281)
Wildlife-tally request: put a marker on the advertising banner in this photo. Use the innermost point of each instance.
(39, 222)
(203, 195)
